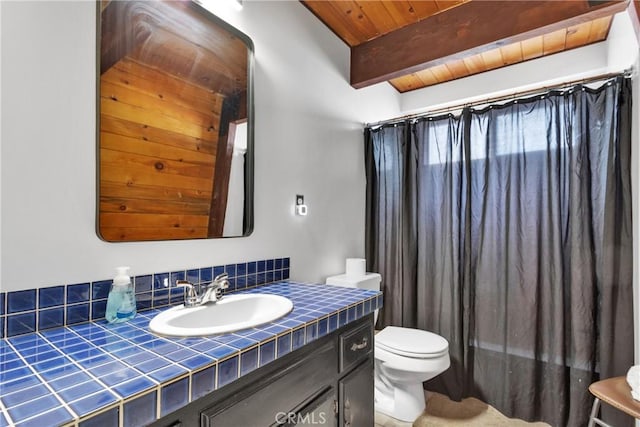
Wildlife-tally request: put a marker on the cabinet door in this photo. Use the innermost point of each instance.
(356, 397)
(320, 411)
(264, 403)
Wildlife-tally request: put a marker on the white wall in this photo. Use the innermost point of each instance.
(622, 43)
(308, 141)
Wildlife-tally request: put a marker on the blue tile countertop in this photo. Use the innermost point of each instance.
(97, 374)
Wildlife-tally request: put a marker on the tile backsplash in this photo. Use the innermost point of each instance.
(33, 310)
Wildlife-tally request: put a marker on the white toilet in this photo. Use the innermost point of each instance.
(404, 358)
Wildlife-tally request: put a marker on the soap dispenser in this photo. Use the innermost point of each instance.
(121, 304)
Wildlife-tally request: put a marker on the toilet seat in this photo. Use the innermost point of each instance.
(414, 343)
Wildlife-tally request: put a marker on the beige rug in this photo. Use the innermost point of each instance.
(470, 412)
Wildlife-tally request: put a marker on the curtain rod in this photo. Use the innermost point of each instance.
(531, 92)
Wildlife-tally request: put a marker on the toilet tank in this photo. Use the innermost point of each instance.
(369, 281)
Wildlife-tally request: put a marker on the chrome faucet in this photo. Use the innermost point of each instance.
(196, 295)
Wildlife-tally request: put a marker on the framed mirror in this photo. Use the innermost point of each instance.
(175, 123)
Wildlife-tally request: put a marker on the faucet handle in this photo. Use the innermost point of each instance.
(221, 276)
(191, 296)
(222, 280)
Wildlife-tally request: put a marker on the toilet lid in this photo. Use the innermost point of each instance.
(411, 342)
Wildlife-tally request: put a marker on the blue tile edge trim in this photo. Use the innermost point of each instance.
(75, 303)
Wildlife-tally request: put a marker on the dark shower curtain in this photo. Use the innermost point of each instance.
(507, 230)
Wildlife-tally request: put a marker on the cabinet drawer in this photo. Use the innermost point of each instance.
(355, 346)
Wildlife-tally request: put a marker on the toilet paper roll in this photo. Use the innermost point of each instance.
(356, 267)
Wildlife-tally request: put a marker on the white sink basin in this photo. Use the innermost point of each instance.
(231, 313)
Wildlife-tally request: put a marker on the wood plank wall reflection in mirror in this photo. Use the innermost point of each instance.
(175, 114)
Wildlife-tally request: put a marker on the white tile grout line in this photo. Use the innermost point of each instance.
(45, 383)
(190, 386)
(120, 399)
(159, 384)
(3, 410)
(133, 344)
(39, 414)
(92, 376)
(82, 368)
(182, 346)
(158, 403)
(112, 358)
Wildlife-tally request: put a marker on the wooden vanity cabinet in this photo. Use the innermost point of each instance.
(328, 382)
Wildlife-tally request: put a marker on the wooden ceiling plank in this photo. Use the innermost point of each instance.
(405, 13)
(470, 28)
(422, 8)
(378, 15)
(578, 35)
(600, 29)
(357, 19)
(448, 4)
(554, 42)
(458, 69)
(442, 73)
(532, 48)
(474, 63)
(338, 23)
(398, 86)
(511, 53)
(492, 59)
(406, 83)
(427, 77)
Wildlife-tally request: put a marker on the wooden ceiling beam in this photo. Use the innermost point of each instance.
(469, 29)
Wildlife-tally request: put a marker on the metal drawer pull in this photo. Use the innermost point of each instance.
(348, 416)
(363, 344)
